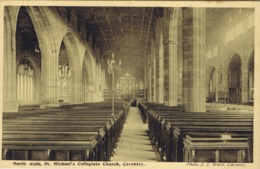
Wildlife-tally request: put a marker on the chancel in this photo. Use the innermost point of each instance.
(141, 84)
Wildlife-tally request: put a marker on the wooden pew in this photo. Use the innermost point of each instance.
(66, 124)
(250, 149)
(180, 133)
(160, 116)
(165, 140)
(158, 125)
(197, 149)
(40, 154)
(50, 150)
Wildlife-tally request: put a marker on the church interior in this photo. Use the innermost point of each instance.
(168, 84)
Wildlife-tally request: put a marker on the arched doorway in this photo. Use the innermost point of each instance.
(234, 79)
(251, 70)
(28, 60)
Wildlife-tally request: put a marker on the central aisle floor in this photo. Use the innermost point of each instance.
(134, 144)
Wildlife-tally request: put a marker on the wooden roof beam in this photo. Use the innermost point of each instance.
(99, 27)
(112, 34)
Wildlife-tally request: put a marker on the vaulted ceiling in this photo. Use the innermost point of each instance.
(124, 31)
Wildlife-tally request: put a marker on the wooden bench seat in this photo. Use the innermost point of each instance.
(50, 150)
(158, 125)
(180, 133)
(102, 128)
(168, 127)
(215, 149)
(164, 137)
(73, 132)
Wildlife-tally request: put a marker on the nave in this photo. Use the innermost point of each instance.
(187, 67)
(134, 144)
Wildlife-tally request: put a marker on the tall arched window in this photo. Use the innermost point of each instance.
(64, 83)
(25, 81)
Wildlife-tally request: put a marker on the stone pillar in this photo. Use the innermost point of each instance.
(91, 93)
(173, 57)
(9, 67)
(194, 60)
(84, 80)
(244, 85)
(98, 81)
(150, 84)
(49, 57)
(145, 78)
(154, 79)
(216, 82)
(153, 72)
(160, 90)
(49, 67)
(173, 72)
(102, 84)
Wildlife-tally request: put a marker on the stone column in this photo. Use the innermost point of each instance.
(84, 81)
(9, 66)
(153, 72)
(91, 93)
(49, 67)
(160, 90)
(173, 57)
(216, 82)
(145, 78)
(150, 84)
(244, 85)
(173, 93)
(102, 84)
(194, 60)
(49, 57)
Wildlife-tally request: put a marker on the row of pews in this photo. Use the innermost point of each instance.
(86, 132)
(216, 136)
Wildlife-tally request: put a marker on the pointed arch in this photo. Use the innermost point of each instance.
(44, 36)
(74, 62)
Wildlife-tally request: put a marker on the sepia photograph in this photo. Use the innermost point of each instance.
(129, 85)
